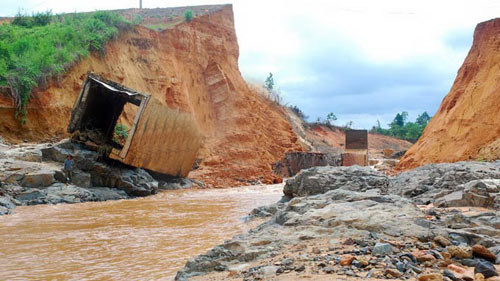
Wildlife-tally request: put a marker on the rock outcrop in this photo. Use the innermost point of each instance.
(337, 214)
(319, 180)
(357, 223)
(466, 126)
(477, 193)
(42, 180)
(90, 171)
(423, 184)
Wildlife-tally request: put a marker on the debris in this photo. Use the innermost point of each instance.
(161, 139)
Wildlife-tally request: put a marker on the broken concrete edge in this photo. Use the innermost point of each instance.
(295, 161)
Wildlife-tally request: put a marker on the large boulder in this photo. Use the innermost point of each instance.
(23, 152)
(67, 193)
(424, 183)
(93, 171)
(62, 193)
(6, 205)
(81, 179)
(106, 193)
(135, 182)
(319, 180)
(476, 193)
(38, 179)
(56, 193)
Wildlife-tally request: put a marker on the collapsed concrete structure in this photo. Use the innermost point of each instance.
(295, 161)
(160, 139)
(356, 145)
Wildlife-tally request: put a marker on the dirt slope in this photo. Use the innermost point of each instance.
(192, 66)
(322, 135)
(324, 139)
(467, 124)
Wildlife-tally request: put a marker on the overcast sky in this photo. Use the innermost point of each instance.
(362, 60)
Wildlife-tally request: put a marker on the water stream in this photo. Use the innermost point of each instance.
(141, 239)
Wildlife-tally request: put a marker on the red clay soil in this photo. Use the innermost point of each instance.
(192, 66)
(467, 124)
(335, 138)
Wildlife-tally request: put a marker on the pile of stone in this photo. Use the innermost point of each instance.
(367, 258)
(354, 222)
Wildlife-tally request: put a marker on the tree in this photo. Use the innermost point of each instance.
(188, 15)
(401, 128)
(331, 118)
(413, 131)
(269, 84)
(400, 119)
(423, 119)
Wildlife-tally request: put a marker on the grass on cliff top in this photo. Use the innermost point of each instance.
(36, 48)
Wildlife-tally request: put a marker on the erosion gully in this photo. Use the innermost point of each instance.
(140, 239)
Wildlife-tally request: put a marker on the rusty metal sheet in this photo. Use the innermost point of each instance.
(350, 159)
(356, 139)
(165, 141)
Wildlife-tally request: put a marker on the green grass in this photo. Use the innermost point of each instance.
(33, 49)
(157, 26)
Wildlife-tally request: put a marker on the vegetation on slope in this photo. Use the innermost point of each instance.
(399, 128)
(402, 129)
(35, 48)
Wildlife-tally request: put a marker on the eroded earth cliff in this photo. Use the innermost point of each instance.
(192, 66)
(467, 124)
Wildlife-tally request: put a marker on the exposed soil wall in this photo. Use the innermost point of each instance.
(467, 124)
(193, 67)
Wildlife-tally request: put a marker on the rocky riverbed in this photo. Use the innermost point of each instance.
(437, 222)
(31, 174)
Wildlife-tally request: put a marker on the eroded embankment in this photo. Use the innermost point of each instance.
(467, 124)
(353, 222)
(192, 66)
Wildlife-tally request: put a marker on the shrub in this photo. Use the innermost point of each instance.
(138, 19)
(21, 19)
(33, 49)
(298, 112)
(188, 15)
(36, 19)
(121, 133)
(41, 19)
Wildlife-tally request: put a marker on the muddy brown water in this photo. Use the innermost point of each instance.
(141, 239)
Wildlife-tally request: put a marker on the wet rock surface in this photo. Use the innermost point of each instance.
(134, 181)
(319, 180)
(32, 174)
(353, 223)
